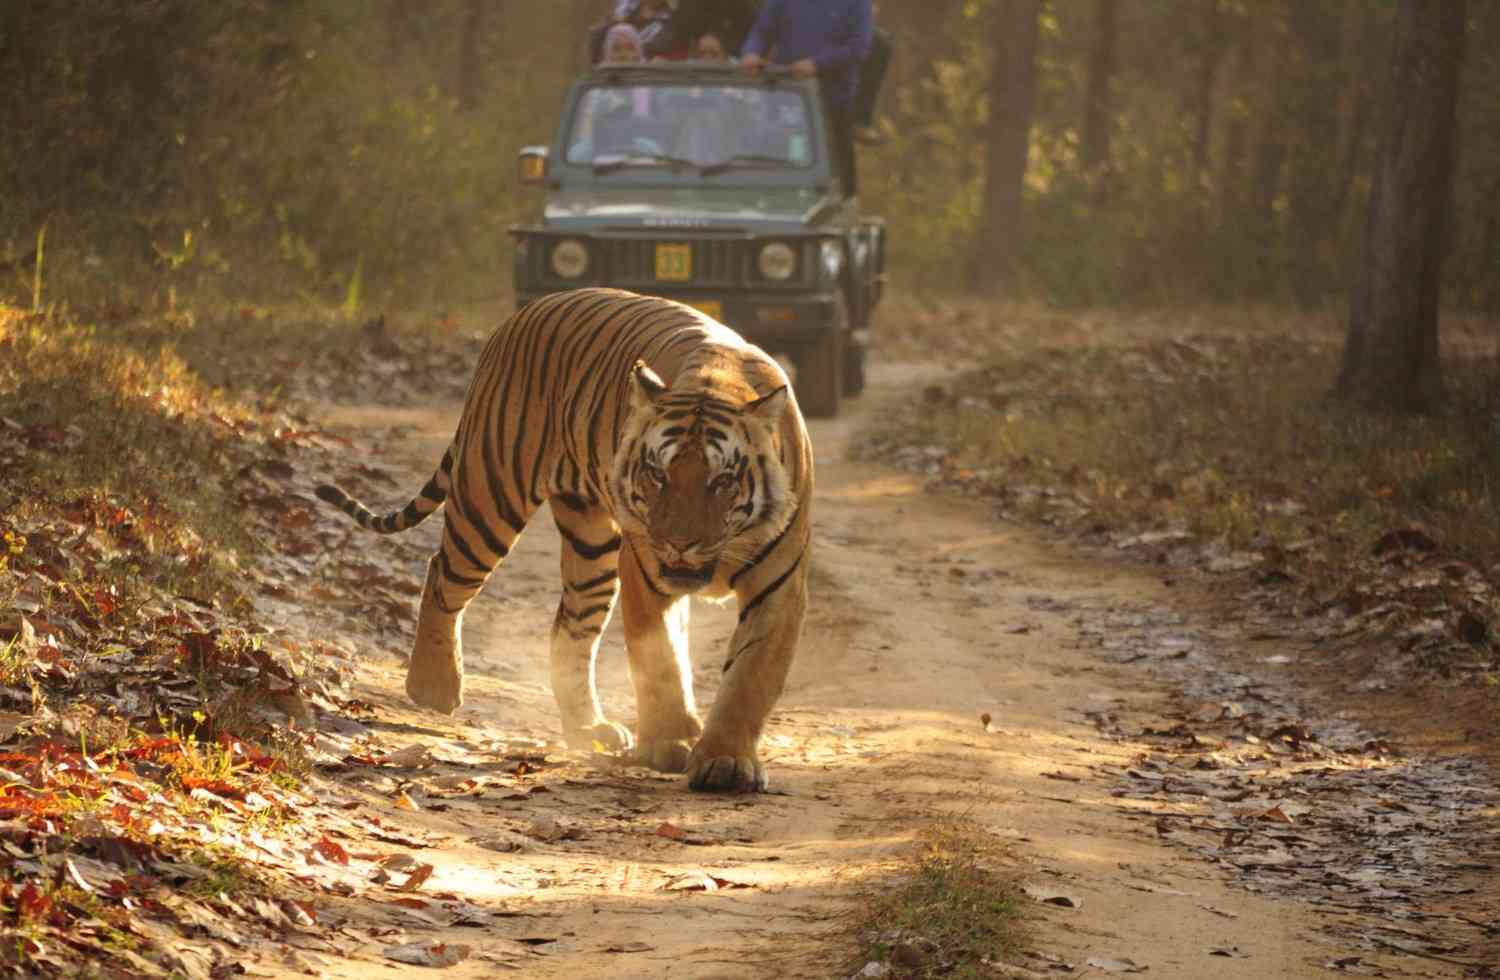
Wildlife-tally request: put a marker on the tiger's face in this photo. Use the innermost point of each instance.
(698, 480)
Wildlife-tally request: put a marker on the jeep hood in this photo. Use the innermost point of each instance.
(713, 207)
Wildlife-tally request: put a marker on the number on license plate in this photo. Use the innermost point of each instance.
(674, 262)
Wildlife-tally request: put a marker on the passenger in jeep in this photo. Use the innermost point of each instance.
(710, 47)
(826, 38)
(729, 21)
(622, 46)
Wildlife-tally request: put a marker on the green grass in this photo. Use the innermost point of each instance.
(224, 872)
(954, 906)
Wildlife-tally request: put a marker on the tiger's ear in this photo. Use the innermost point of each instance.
(770, 407)
(646, 386)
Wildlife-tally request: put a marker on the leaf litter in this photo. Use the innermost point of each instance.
(228, 801)
(178, 791)
(1293, 805)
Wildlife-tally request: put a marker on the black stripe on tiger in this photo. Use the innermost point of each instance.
(594, 582)
(675, 462)
(591, 552)
(765, 552)
(418, 509)
(749, 607)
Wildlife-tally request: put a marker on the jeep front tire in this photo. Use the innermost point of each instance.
(820, 368)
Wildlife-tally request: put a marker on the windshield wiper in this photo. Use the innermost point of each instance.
(745, 160)
(641, 160)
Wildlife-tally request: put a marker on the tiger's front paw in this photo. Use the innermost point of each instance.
(664, 754)
(436, 683)
(602, 735)
(714, 773)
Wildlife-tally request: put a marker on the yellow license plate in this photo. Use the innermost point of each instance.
(674, 262)
(708, 307)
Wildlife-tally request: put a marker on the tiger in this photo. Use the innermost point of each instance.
(676, 462)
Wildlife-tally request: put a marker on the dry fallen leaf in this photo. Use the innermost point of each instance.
(406, 901)
(549, 828)
(415, 756)
(503, 843)
(1116, 965)
(701, 881)
(418, 876)
(1276, 814)
(1059, 774)
(1050, 896)
(398, 862)
(300, 913)
(75, 877)
(429, 953)
(331, 850)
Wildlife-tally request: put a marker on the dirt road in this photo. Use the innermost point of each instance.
(927, 613)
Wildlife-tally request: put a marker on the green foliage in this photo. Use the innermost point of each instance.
(249, 147)
(363, 153)
(36, 276)
(1268, 207)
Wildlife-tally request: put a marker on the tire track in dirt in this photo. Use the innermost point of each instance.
(925, 614)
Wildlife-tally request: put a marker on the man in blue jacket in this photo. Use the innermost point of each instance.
(826, 38)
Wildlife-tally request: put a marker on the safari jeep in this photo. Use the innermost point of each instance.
(703, 184)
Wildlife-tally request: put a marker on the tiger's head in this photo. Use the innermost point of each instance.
(699, 478)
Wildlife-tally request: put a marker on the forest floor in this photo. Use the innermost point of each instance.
(1164, 791)
(1173, 777)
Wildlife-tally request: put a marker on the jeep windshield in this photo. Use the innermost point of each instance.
(701, 130)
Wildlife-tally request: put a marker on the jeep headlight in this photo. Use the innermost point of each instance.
(569, 259)
(832, 254)
(777, 261)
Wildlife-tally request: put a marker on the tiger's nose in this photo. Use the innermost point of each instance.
(679, 545)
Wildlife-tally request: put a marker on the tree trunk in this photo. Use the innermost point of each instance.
(468, 55)
(395, 29)
(1391, 348)
(1488, 294)
(1202, 98)
(1236, 137)
(1012, 96)
(1313, 74)
(1099, 109)
(1353, 106)
(1270, 150)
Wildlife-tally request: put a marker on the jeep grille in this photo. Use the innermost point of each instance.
(632, 262)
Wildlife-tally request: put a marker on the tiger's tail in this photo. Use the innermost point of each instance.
(417, 509)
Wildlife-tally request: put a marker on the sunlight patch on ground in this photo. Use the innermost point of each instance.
(885, 485)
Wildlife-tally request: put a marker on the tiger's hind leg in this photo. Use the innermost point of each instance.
(656, 639)
(590, 583)
(467, 556)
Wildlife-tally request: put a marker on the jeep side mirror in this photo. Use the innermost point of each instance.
(531, 165)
